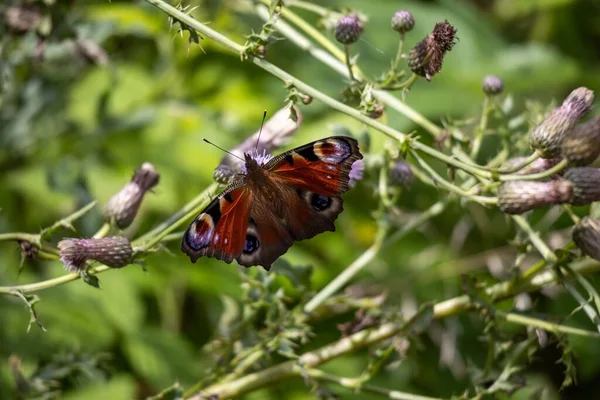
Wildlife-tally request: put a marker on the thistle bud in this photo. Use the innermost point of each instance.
(426, 58)
(114, 252)
(586, 185)
(348, 29)
(548, 136)
(582, 146)
(357, 172)
(123, 206)
(539, 165)
(223, 173)
(517, 197)
(92, 52)
(400, 174)
(22, 18)
(492, 85)
(403, 21)
(586, 236)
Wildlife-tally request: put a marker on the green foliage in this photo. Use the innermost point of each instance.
(91, 90)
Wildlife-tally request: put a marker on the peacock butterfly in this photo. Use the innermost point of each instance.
(273, 202)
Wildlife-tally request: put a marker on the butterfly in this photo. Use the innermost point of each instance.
(273, 202)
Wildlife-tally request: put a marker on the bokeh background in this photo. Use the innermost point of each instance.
(74, 127)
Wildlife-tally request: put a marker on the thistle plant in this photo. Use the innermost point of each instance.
(539, 176)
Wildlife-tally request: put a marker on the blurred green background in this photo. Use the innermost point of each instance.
(73, 128)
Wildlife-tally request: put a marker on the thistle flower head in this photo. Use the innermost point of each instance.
(348, 29)
(547, 137)
(586, 235)
(400, 174)
(517, 197)
(492, 85)
(114, 252)
(582, 146)
(403, 21)
(276, 132)
(123, 206)
(357, 172)
(586, 185)
(223, 173)
(426, 58)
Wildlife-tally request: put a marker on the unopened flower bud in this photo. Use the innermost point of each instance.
(403, 21)
(547, 137)
(586, 185)
(400, 174)
(586, 236)
(539, 165)
(517, 197)
(492, 85)
(223, 173)
(356, 172)
(306, 99)
(92, 52)
(376, 112)
(114, 252)
(123, 206)
(426, 58)
(348, 29)
(582, 146)
(22, 18)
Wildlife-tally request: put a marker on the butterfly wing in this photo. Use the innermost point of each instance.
(257, 224)
(312, 178)
(219, 231)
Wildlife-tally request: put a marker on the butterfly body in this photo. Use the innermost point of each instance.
(274, 202)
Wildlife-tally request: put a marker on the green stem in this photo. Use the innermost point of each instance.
(340, 281)
(103, 231)
(348, 62)
(536, 240)
(521, 319)
(540, 175)
(484, 200)
(350, 384)
(481, 128)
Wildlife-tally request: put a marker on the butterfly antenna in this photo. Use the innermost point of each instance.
(222, 149)
(260, 130)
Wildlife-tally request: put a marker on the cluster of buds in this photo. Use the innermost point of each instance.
(548, 137)
(124, 205)
(579, 186)
(114, 252)
(426, 58)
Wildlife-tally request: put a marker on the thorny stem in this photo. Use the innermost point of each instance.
(367, 337)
